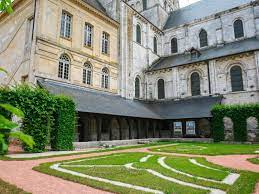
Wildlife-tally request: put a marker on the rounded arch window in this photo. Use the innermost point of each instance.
(138, 34)
(64, 65)
(236, 78)
(203, 38)
(238, 29)
(155, 44)
(195, 84)
(105, 78)
(137, 87)
(87, 73)
(174, 45)
(161, 89)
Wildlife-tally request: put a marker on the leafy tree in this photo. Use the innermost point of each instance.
(7, 128)
(6, 5)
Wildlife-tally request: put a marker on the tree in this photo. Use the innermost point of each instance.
(7, 127)
(6, 5)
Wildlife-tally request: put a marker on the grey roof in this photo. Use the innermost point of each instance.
(92, 101)
(96, 4)
(228, 49)
(200, 10)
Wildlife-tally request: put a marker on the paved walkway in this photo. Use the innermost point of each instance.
(20, 173)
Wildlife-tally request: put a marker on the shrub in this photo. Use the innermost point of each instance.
(40, 110)
(239, 115)
(62, 134)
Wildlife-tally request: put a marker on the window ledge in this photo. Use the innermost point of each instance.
(69, 39)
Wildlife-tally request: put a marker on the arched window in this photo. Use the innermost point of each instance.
(236, 79)
(155, 45)
(174, 45)
(195, 84)
(203, 38)
(137, 87)
(161, 89)
(87, 74)
(165, 5)
(138, 34)
(238, 29)
(105, 78)
(144, 4)
(64, 65)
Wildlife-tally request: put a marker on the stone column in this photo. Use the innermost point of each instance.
(154, 129)
(120, 126)
(139, 128)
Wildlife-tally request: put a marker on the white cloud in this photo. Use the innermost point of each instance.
(184, 3)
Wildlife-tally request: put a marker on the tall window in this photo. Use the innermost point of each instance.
(144, 4)
(105, 43)
(105, 78)
(64, 65)
(66, 24)
(161, 89)
(137, 87)
(238, 29)
(195, 84)
(88, 35)
(236, 79)
(87, 74)
(203, 38)
(174, 45)
(138, 34)
(155, 45)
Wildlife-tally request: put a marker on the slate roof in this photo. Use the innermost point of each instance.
(92, 101)
(96, 4)
(201, 9)
(228, 49)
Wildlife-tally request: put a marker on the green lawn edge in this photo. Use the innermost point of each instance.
(254, 160)
(7, 188)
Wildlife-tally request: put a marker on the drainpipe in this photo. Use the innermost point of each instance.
(209, 80)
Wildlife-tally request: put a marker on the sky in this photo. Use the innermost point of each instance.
(184, 3)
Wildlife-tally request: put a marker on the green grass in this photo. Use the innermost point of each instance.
(208, 148)
(254, 160)
(244, 185)
(6, 188)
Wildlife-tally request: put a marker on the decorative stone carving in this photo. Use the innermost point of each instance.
(228, 129)
(252, 129)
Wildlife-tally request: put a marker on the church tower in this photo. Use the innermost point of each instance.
(156, 11)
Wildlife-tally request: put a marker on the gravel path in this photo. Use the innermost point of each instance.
(20, 173)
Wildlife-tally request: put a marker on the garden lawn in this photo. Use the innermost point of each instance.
(208, 148)
(254, 160)
(112, 167)
(6, 188)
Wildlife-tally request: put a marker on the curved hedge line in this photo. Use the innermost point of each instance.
(43, 113)
(239, 115)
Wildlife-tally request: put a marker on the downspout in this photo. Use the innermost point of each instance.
(33, 45)
(209, 80)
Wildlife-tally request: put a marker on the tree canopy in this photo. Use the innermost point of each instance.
(6, 5)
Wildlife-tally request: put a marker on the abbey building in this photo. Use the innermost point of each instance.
(136, 68)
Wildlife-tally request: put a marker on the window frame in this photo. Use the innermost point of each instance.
(155, 45)
(160, 96)
(204, 41)
(64, 67)
(139, 34)
(137, 87)
(174, 45)
(105, 43)
(86, 35)
(193, 84)
(105, 79)
(87, 79)
(63, 25)
(241, 80)
(236, 33)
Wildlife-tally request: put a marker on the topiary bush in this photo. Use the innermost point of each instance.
(62, 134)
(43, 116)
(239, 115)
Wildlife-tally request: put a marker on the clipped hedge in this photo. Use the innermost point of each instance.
(239, 115)
(41, 110)
(62, 133)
